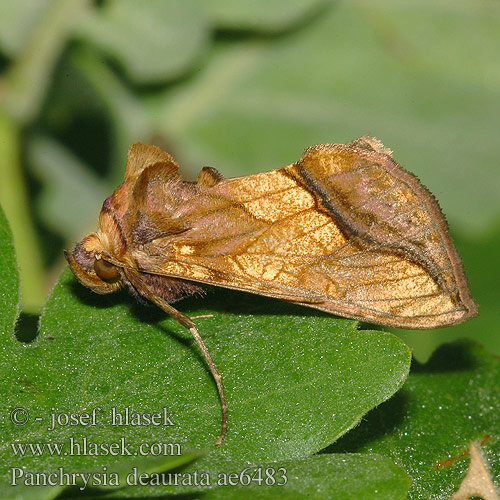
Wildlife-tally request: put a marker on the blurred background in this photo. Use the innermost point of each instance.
(245, 87)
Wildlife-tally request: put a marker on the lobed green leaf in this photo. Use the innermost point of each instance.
(427, 427)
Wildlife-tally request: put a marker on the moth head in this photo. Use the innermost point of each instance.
(91, 265)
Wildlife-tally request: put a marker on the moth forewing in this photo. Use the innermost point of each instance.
(345, 229)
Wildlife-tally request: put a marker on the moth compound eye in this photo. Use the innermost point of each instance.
(106, 271)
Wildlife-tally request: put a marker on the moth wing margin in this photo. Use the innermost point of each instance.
(391, 200)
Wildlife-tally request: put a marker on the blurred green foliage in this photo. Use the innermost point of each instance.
(244, 87)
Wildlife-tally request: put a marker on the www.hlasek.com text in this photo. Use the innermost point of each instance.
(85, 447)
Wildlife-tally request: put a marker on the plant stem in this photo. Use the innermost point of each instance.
(14, 200)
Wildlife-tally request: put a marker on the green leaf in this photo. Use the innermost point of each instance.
(428, 426)
(9, 286)
(114, 477)
(343, 477)
(153, 41)
(261, 15)
(295, 379)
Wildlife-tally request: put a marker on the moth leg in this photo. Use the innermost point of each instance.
(187, 322)
(202, 316)
(218, 382)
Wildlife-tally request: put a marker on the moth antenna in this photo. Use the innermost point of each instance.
(187, 322)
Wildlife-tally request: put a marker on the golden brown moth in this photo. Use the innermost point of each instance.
(345, 230)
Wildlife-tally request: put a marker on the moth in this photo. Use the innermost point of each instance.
(345, 230)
